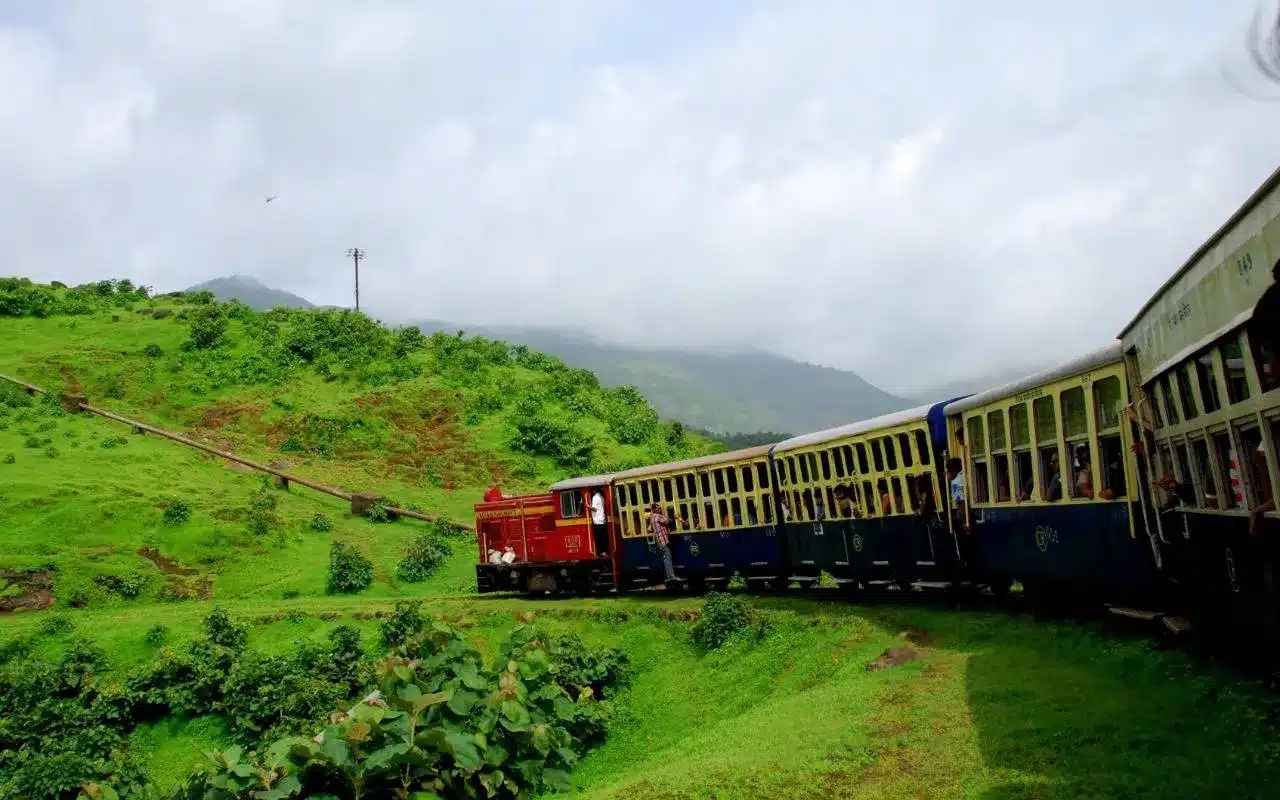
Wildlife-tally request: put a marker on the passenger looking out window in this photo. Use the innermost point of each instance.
(1262, 482)
(1084, 475)
(886, 502)
(955, 475)
(845, 507)
(1053, 486)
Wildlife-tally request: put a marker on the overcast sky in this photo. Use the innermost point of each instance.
(914, 191)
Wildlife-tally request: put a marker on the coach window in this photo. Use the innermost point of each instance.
(922, 447)
(877, 455)
(631, 492)
(1189, 410)
(644, 494)
(904, 447)
(1229, 472)
(1075, 426)
(837, 459)
(571, 504)
(1206, 377)
(1206, 472)
(849, 466)
(864, 468)
(1046, 423)
(897, 495)
(766, 505)
(1233, 364)
(667, 494)
(748, 480)
(791, 470)
(1020, 441)
(890, 455)
(1107, 403)
(762, 474)
(705, 479)
(833, 510)
(1263, 366)
(680, 495)
(718, 476)
(825, 459)
(869, 498)
(726, 521)
(999, 455)
(636, 528)
(978, 456)
(709, 509)
(752, 517)
(804, 468)
(813, 465)
(735, 506)
(1170, 407)
(731, 474)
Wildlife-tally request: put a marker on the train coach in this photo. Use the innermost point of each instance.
(1053, 499)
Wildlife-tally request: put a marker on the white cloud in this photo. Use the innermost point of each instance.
(913, 191)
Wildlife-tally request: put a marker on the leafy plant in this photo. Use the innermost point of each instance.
(724, 616)
(156, 635)
(426, 554)
(220, 630)
(261, 515)
(406, 621)
(176, 512)
(10, 458)
(152, 350)
(321, 524)
(56, 624)
(349, 571)
(207, 327)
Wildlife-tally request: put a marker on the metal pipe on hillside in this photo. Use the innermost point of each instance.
(285, 476)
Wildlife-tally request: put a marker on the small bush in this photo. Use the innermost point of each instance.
(153, 350)
(208, 328)
(321, 524)
(406, 621)
(156, 635)
(425, 555)
(289, 594)
(10, 458)
(55, 624)
(113, 441)
(51, 451)
(724, 616)
(176, 512)
(33, 443)
(262, 510)
(220, 630)
(349, 571)
(291, 445)
(378, 513)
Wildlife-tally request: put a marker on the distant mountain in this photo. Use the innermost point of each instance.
(712, 391)
(978, 384)
(252, 292)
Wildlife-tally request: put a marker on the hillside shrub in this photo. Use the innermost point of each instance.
(379, 513)
(349, 571)
(405, 622)
(176, 511)
(724, 616)
(51, 451)
(321, 524)
(261, 514)
(425, 555)
(207, 328)
(156, 635)
(539, 433)
(447, 724)
(10, 458)
(220, 630)
(152, 350)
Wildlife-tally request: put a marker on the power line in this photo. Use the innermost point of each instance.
(356, 255)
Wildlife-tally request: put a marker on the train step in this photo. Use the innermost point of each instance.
(1136, 613)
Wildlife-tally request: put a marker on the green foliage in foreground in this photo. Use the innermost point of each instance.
(446, 720)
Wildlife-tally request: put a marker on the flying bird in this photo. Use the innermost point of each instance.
(272, 197)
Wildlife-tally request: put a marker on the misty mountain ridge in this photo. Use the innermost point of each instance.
(252, 292)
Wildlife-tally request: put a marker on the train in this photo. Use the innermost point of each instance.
(1139, 476)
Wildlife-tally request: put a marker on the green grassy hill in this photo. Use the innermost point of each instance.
(428, 422)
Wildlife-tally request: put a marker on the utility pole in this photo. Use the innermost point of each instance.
(356, 254)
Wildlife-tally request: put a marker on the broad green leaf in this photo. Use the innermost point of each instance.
(462, 702)
(410, 692)
(384, 756)
(425, 796)
(337, 751)
(515, 712)
(557, 779)
(565, 708)
(464, 751)
(495, 755)
(403, 673)
(470, 675)
(428, 700)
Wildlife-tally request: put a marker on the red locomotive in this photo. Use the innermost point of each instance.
(548, 542)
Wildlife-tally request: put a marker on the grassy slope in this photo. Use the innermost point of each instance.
(995, 707)
(89, 510)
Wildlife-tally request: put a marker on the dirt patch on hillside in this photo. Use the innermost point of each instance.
(918, 636)
(216, 417)
(893, 657)
(26, 591)
(165, 564)
(71, 384)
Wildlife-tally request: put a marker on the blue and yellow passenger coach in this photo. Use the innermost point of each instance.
(865, 503)
(722, 516)
(1210, 408)
(1051, 492)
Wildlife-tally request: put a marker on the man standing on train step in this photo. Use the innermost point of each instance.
(660, 527)
(599, 531)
